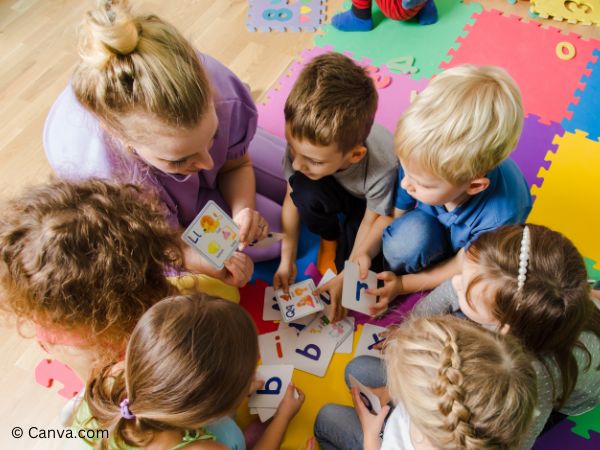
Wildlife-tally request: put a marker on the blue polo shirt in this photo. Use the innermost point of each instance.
(505, 201)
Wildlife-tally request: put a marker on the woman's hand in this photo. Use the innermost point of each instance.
(253, 226)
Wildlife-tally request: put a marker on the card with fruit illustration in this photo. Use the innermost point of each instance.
(299, 301)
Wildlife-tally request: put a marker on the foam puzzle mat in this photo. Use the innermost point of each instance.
(583, 11)
(285, 15)
(557, 152)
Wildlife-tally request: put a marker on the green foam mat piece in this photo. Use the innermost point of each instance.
(391, 39)
(593, 273)
(590, 421)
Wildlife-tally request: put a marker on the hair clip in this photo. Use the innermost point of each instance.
(523, 258)
(125, 412)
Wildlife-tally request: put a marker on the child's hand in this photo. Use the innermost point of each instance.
(334, 288)
(364, 264)
(392, 287)
(370, 423)
(291, 403)
(253, 226)
(238, 269)
(285, 275)
(255, 385)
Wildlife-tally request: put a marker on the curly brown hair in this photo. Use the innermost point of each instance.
(89, 254)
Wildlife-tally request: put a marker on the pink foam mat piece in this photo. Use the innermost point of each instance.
(528, 53)
(394, 93)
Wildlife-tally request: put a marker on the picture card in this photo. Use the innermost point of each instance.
(338, 331)
(371, 335)
(270, 306)
(299, 301)
(312, 352)
(213, 234)
(354, 296)
(278, 346)
(298, 325)
(346, 346)
(276, 379)
(370, 400)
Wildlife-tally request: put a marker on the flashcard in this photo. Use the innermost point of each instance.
(278, 346)
(325, 296)
(276, 380)
(299, 302)
(313, 352)
(353, 293)
(346, 345)
(297, 325)
(265, 414)
(370, 400)
(213, 234)
(338, 331)
(270, 305)
(268, 241)
(371, 335)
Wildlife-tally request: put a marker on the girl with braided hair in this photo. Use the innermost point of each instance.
(455, 386)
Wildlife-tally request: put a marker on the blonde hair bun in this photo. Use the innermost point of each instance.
(107, 31)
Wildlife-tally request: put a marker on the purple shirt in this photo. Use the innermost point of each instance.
(77, 147)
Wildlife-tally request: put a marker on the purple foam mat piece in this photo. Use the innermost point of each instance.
(534, 144)
(395, 314)
(561, 438)
(394, 93)
(280, 15)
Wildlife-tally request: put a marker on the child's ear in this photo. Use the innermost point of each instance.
(356, 154)
(478, 185)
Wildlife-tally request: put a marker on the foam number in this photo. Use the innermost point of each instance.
(376, 341)
(268, 390)
(311, 351)
(290, 311)
(280, 15)
(360, 286)
(381, 81)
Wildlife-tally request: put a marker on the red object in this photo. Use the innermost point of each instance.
(390, 8)
(252, 300)
(50, 370)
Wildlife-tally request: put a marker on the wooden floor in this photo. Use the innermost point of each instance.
(37, 56)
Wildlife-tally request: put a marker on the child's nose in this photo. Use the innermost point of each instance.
(203, 162)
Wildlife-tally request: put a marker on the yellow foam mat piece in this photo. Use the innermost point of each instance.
(573, 11)
(190, 283)
(318, 392)
(568, 198)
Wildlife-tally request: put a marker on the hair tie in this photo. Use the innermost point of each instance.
(125, 413)
(523, 259)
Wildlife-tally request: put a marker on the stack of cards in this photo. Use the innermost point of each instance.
(213, 234)
(299, 301)
(265, 400)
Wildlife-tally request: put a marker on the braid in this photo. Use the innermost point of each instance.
(450, 390)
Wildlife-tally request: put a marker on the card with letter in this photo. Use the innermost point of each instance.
(312, 352)
(277, 347)
(354, 296)
(299, 302)
(371, 335)
(370, 400)
(213, 234)
(276, 380)
(270, 305)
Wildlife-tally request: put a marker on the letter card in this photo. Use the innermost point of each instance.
(353, 293)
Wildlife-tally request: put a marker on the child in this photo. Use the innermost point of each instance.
(186, 370)
(143, 106)
(545, 301)
(82, 262)
(337, 162)
(455, 386)
(455, 180)
(358, 18)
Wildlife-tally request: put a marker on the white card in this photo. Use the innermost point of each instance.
(338, 331)
(369, 337)
(312, 353)
(346, 346)
(353, 293)
(268, 241)
(300, 301)
(276, 380)
(265, 414)
(278, 346)
(213, 234)
(270, 305)
(370, 400)
(297, 325)
(253, 410)
(325, 296)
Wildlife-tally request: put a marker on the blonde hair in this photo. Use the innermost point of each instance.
(137, 64)
(464, 124)
(87, 255)
(463, 386)
(189, 362)
(333, 102)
